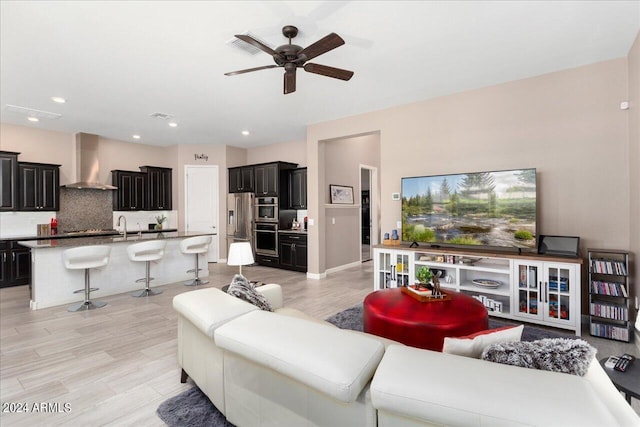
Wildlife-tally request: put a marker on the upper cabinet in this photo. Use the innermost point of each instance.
(131, 194)
(266, 178)
(298, 188)
(39, 187)
(158, 187)
(149, 189)
(241, 179)
(8, 181)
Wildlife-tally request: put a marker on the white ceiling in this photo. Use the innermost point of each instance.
(117, 62)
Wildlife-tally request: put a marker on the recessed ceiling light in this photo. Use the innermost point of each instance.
(173, 124)
(33, 119)
(245, 132)
(136, 136)
(58, 99)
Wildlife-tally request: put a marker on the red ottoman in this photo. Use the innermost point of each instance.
(391, 314)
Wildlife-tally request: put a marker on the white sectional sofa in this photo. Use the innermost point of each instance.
(288, 369)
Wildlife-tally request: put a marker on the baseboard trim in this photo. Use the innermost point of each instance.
(316, 276)
(343, 267)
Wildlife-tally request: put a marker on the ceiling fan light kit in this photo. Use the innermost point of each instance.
(291, 57)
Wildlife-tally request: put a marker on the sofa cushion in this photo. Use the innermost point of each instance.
(209, 308)
(334, 361)
(443, 389)
(473, 345)
(566, 355)
(241, 288)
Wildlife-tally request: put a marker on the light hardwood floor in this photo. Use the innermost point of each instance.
(115, 365)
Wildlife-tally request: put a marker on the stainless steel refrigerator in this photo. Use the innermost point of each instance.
(240, 218)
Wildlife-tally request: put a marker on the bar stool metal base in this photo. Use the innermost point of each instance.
(196, 282)
(146, 293)
(86, 305)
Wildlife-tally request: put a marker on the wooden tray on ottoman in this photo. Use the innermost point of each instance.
(424, 295)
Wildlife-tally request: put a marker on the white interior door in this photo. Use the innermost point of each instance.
(202, 204)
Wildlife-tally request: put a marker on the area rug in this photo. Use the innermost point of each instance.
(193, 408)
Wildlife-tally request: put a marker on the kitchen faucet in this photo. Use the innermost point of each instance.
(125, 224)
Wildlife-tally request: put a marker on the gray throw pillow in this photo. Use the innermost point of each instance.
(241, 288)
(571, 356)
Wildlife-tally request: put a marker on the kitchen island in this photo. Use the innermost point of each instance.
(52, 284)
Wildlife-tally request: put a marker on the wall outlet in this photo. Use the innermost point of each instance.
(333, 221)
(311, 221)
(399, 224)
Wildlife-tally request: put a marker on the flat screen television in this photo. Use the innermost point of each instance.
(494, 209)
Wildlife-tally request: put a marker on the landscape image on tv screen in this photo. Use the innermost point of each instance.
(483, 208)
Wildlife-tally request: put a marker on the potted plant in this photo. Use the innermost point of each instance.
(424, 276)
(160, 219)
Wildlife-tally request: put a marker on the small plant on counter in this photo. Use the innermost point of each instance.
(160, 219)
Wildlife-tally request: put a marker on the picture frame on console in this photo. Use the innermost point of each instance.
(341, 194)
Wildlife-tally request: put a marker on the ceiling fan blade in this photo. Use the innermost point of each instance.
(325, 70)
(323, 45)
(290, 80)
(248, 70)
(263, 47)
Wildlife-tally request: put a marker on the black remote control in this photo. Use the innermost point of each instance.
(624, 362)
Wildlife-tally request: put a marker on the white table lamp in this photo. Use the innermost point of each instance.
(240, 253)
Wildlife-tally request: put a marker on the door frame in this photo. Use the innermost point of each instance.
(186, 206)
(374, 208)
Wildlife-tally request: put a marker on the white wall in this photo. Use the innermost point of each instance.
(567, 124)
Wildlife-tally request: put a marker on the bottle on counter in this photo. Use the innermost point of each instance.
(54, 226)
(305, 222)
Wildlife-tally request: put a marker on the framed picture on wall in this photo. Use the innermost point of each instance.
(341, 194)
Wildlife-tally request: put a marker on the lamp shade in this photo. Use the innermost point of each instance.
(240, 253)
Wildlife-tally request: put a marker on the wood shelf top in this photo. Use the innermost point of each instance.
(484, 252)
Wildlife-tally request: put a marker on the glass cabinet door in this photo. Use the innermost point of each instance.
(558, 283)
(393, 269)
(529, 276)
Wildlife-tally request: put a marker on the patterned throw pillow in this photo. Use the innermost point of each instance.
(241, 288)
(571, 356)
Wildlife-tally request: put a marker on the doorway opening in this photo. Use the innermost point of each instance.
(368, 211)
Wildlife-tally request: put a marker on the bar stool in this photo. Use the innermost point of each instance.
(85, 258)
(196, 245)
(152, 250)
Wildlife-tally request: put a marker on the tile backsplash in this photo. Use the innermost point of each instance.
(85, 209)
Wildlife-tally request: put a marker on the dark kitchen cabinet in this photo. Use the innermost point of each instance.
(241, 179)
(39, 187)
(15, 264)
(8, 181)
(158, 187)
(266, 178)
(298, 188)
(293, 251)
(132, 190)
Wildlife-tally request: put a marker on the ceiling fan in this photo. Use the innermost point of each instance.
(291, 57)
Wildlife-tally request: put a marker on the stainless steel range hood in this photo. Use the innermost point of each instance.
(87, 164)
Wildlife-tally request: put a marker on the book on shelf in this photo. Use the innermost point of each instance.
(608, 288)
(604, 266)
(609, 311)
(609, 331)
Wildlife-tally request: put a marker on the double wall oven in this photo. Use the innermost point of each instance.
(265, 231)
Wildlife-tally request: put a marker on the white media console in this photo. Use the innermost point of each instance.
(528, 287)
